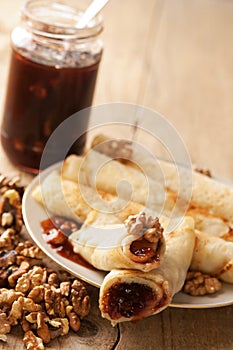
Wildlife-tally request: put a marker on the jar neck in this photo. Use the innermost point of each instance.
(58, 21)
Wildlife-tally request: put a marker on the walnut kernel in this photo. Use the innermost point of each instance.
(198, 283)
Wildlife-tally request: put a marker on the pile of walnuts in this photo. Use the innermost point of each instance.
(198, 283)
(46, 303)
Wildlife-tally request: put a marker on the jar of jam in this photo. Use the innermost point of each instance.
(52, 75)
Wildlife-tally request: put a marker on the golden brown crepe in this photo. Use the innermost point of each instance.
(210, 223)
(214, 256)
(103, 240)
(128, 295)
(76, 201)
(211, 202)
(105, 244)
(102, 173)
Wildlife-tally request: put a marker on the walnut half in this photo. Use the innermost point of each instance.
(149, 243)
(32, 342)
(5, 326)
(197, 283)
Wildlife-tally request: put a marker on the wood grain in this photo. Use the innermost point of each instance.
(180, 329)
(174, 57)
(191, 78)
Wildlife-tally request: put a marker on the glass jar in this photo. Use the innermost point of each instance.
(52, 75)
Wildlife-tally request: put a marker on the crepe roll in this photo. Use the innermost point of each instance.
(105, 174)
(210, 223)
(105, 244)
(207, 192)
(63, 197)
(67, 198)
(129, 295)
(60, 199)
(214, 256)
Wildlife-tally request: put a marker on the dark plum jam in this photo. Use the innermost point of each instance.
(39, 97)
(129, 300)
(56, 231)
(144, 250)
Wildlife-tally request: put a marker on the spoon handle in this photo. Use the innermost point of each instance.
(94, 8)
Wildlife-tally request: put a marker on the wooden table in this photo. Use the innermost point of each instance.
(175, 57)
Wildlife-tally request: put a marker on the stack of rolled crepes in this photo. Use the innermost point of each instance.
(130, 295)
(105, 240)
(144, 275)
(211, 201)
(210, 204)
(125, 232)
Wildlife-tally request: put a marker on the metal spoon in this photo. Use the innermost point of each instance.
(93, 9)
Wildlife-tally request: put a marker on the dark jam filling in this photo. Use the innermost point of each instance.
(56, 232)
(145, 250)
(129, 300)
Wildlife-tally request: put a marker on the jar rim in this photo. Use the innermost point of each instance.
(59, 19)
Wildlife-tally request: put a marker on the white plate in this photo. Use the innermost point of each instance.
(33, 214)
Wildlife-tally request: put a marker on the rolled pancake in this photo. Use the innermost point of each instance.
(65, 197)
(107, 245)
(128, 295)
(102, 173)
(61, 199)
(214, 256)
(207, 192)
(211, 202)
(210, 223)
(72, 200)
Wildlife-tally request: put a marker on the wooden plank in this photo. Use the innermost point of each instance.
(191, 78)
(126, 35)
(181, 329)
(204, 323)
